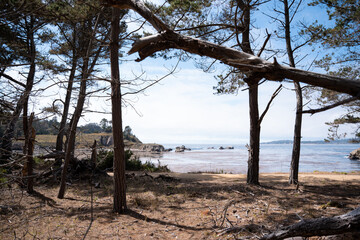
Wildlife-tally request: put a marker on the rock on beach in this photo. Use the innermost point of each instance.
(355, 155)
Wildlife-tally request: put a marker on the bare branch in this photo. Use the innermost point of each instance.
(223, 26)
(245, 62)
(264, 44)
(345, 101)
(277, 91)
(154, 82)
(12, 79)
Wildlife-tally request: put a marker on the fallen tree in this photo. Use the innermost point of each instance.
(349, 222)
(167, 38)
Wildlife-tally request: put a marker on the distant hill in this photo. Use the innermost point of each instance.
(341, 141)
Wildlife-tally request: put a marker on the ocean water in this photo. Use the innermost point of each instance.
(273, 158)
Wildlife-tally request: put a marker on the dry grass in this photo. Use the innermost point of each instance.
(196, 206)
(82, 139)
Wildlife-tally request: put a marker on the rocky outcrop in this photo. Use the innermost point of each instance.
(182, 149)
(106, 140)
(146, 147)
(229, 147)
(152, 147)
(355, 155)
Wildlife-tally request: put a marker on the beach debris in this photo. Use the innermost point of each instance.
(346, 223)
(332, 203)
(167, 178)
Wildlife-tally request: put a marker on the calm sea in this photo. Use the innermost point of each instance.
(273, 158)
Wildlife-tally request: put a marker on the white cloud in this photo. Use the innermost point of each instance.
(183, 109)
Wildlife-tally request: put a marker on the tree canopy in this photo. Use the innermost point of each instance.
(342, 37)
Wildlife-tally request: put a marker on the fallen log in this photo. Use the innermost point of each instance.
(55, 154)
(349, 222)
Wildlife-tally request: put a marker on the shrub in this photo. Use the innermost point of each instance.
(105, 162)
(3, 179)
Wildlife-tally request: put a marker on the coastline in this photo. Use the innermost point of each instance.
(264, 177)
(273, 158)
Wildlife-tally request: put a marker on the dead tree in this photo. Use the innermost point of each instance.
(349, 222)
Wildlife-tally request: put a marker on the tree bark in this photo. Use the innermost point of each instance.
(30, 153)
(254, 147)
(295, 158)
(349, 222)
(119, 154)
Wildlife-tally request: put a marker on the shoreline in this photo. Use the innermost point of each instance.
(263, 177)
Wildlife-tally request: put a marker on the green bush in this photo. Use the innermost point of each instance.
(38, 160)
(3, 179)
(105, 161)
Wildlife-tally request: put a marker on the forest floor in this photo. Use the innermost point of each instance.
(182, 206)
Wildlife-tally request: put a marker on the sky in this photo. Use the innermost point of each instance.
(183, 109)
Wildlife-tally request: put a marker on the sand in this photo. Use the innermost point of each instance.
(186, 206)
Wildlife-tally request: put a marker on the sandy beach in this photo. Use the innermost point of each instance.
(177, 206)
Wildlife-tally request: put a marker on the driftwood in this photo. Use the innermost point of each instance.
(349, 222)
(55, 154)
(247, 63)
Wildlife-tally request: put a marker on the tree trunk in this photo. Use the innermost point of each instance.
(295, 159)
(254, 148)
(87, 68)
(252, 82)
(64, 117)
(119, 154)
(72, 133)
(30, 152)
(25, 126)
